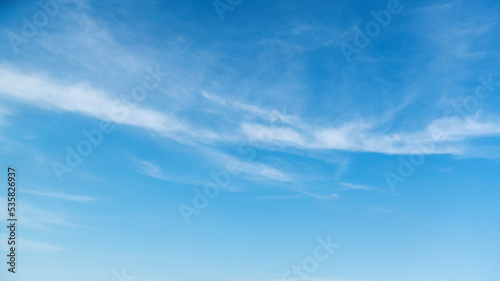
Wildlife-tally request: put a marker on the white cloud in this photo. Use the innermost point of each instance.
(43, 91)
(3, 113)
(67, 197)
(253, 170)
(30, 245)
(37, 218)
(265, 133)
(262, 170)
(441, 136)
(329, 196)
(266, 114)
(273, 197)
(355, 186)
(150, 169)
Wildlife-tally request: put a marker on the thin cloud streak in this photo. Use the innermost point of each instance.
(67, 197)
(81, 98)
(441, 136)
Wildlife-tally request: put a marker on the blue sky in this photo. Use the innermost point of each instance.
(199, 141)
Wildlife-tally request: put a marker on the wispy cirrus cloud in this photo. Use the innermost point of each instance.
(155, 170)
(150, 169)
(441, 136)
(46, 220)
(252, 111)
(81, 98)
(62, 196)
(31, 245)
(355, 186)
(249, 169)
(104, 51)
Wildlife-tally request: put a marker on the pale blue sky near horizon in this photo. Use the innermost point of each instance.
(388, 146)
